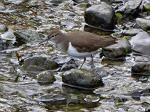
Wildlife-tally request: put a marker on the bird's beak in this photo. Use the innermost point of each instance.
(46, 40)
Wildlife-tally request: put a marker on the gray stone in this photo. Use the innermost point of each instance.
(141, 69)
(118, 50)
(46, 77)
(38, 64)
(143, 23)
(141, 43)
(26, 36)
(101, 15)
(81, 78)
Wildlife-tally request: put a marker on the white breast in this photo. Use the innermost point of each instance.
(74, 53)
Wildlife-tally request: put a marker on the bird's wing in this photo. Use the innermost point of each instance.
(87, 42)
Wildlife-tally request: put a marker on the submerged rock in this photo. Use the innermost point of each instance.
(101, 15)
(141, 43)
(2, 7)
(26, 36)
(46, 77)
(118, 50)
(39, 64)
(82, 79)
(143, 23)
(141, 69)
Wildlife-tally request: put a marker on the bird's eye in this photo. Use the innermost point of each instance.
(53, 36)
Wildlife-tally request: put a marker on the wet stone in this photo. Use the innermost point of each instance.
(46, 77)
(26, 36)
(140, 69)
(118, 50)
(143, 23)
(82, 79)
(37, 64)
(141, 43)
(101, 15)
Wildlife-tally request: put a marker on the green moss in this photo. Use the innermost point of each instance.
(119, 17)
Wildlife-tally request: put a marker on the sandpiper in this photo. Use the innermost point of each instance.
(79, 44)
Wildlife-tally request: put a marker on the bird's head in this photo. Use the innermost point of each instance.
(53, 35)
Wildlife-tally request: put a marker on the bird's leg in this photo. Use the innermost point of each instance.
(83, 62)
(92, 62)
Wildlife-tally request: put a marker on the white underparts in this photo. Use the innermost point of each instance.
(74, 53)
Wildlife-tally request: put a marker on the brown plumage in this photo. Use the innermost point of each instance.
(82, 41)
(79, 44)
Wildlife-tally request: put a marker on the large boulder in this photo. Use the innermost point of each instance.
(101, 16)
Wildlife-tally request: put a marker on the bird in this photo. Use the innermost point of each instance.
(79, 44)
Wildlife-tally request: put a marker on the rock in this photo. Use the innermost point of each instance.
(131, 32)
(141, 69)
(141, 43)
(118, 50)
(53, 99)
(143, 23)
(37, 64)
(130, 7)
(101, 15)
(26, 36)
(46, 77)
(3, 28)
(82, 79)
(17, 2)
